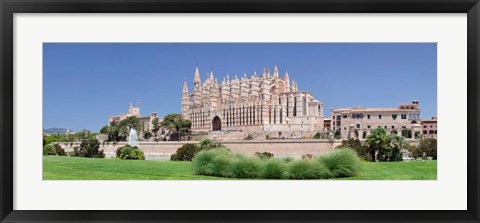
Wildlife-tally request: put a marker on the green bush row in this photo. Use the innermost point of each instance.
(223, 163)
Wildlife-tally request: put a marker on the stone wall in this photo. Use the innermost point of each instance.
(280, 148)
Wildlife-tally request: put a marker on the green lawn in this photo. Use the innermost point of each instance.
(73, 168)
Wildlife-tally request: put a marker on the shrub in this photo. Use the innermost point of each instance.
(223, 163)
(307, 169)
(274, 169)
(245, 167)
(430, 147)
(248, 137)
(264, 155)
(185, 153)
(53, 150)
(48, 150)
(89, 148)
(207, 163)
(58, 150)
(130, 153)
(426, 148)
(207, 144)
(341, 162)
(415, 152)
(317, 135)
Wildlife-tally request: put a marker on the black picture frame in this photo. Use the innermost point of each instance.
(10, 7)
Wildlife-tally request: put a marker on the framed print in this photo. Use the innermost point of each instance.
(199, 111)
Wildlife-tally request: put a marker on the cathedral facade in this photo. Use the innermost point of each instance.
(259, 103)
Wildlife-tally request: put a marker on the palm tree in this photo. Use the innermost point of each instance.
(376, 141)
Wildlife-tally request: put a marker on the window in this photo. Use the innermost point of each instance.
(344, 128)
(424, 132)
(404, 116)
(424, 126)
(394, 117)
(404, 127)
(358, 126)
(393, 127)
(345, 116)
(379, 116)
(368, 116)
(435, 131)
(385, 127)
(430, 132)
(368, 126)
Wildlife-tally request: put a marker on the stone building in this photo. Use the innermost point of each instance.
(135, 111)
(350, 120)
(429, 128)
(264, 103)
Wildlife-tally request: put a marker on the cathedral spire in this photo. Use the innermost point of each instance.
(275, 71)
(185, 87)
(196, 78)
(211, 75)
(287, 80)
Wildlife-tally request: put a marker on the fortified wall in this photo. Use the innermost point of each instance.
(280, 148)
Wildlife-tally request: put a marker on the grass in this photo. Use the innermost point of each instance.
(413, 170)
(73, 168)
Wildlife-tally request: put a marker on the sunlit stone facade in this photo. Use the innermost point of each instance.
(265, 102)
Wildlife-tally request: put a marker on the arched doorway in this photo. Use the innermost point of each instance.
(216, 124)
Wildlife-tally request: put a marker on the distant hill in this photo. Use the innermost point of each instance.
(55, 130)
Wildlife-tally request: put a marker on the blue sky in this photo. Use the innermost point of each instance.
(85, 83)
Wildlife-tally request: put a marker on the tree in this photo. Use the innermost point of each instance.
(355, 144)
(124, 126)
(429, 147)
(105, 129)
(418, 135)
(393, 150)
(176, 122)
(337, 134)
(407, 133)
(156, 127)
(89, 148)
(147, 134)
(376, 141)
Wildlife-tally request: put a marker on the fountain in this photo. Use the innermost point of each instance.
(132, 138)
